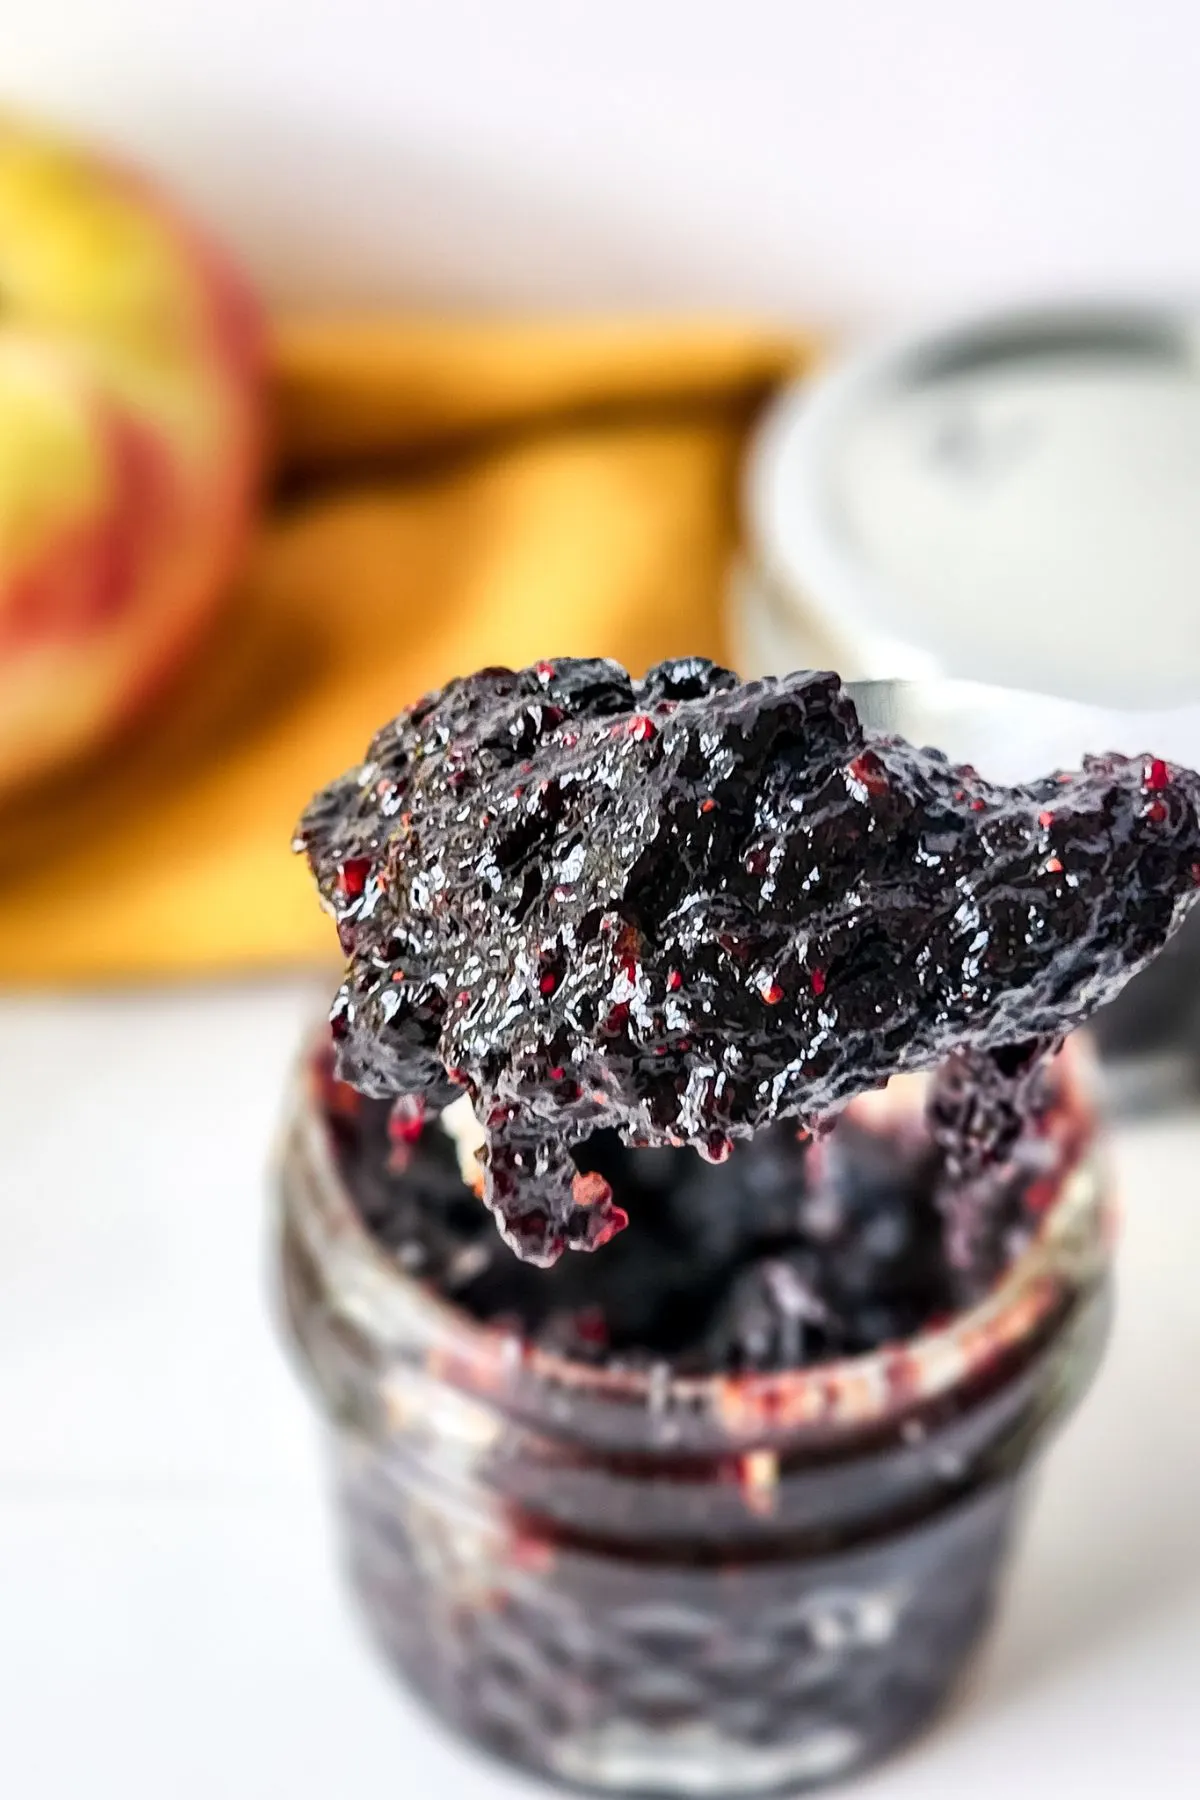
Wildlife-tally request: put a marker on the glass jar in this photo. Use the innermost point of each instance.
(644, 1584)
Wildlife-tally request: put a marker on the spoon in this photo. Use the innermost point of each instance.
(1010, 735)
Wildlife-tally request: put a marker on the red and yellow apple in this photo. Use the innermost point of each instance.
(131, 403)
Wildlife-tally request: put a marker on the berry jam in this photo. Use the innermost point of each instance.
(793, 1252)
(658, 966)
(723, 1510)
(685, 910)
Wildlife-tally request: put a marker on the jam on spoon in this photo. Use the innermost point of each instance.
(687, 909)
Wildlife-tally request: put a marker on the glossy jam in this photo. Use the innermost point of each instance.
(793, 1251)
(684, 1566)
(687, 908)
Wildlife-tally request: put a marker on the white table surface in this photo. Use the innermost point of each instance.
(171, 1627)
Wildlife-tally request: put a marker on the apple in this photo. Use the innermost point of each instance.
(131, 433)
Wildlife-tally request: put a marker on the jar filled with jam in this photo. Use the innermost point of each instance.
(722, 1508)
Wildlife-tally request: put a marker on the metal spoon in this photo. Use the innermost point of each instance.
(1010, 735)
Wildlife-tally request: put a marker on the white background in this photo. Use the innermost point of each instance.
(820, 158)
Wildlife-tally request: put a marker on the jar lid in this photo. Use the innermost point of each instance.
(1013, 500)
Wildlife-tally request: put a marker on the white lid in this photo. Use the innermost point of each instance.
(1014, 500)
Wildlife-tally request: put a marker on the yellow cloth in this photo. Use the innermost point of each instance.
(448, 495)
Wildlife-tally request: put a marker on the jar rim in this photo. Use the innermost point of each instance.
(1066, 1254)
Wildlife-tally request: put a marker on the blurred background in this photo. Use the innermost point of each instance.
(841, 165)
(431, 335)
